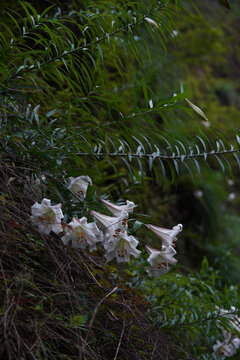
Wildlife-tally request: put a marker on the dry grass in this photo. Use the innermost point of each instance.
(61, 303)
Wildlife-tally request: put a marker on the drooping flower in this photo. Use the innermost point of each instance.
(231, 342)
(116, 210)
(121, 247)
(235, 342)
(159, 259)
(78, 186)
(47, 217)
(82, 234)
(168, 236)
(222, 349)
(112, 225)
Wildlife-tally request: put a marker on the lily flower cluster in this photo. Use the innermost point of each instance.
(114, 234)
(159, 259)
(231, 343)
(78, 232)
(117, 242)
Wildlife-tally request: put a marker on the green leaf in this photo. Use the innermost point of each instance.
(78, 320)
(136, 226)
(224, 3)
(91, 193)
(50, 113)
(196, 109)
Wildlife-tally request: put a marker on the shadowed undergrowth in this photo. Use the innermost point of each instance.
(62, 303)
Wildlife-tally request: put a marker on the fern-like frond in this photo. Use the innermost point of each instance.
(167, 156)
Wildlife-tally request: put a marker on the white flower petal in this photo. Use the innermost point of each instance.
(236, 342)
(159, 259)
(159, 271)
(82, 234)
(116, 210)
(168, 236)
(47, 217)
(66, 239)
(45, 229)
(78, 186)
(222, 349)
(122, 248)
(57, 228)
(46, 202)
(112, 225)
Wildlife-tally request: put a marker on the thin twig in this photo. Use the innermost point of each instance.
(120, 340)
(99, 304)
(92, 276)
(76, 135)
(21, 90)
(163, 157)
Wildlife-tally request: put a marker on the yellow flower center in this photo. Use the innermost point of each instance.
(80, 235)
(48, 217)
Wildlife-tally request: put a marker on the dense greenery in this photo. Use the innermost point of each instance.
(118, 91)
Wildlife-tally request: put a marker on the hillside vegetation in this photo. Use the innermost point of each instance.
(119, 182)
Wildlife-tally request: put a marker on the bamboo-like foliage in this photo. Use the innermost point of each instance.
(69, 91)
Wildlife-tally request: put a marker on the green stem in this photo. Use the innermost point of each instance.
(163, 157)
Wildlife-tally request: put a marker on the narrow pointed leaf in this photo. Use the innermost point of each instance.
(197, 109)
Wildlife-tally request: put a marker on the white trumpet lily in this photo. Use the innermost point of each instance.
(168, 236)
(235, 343)
(223, 349)
(159, 259)
(47, 217)
(112, 225)
(82, 234)
(116, 210)
(78, 186)
(121, 248)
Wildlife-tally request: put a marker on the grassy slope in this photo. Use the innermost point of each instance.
(61, 303)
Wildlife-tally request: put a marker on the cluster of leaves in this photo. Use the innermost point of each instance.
(190, 304)
(71, 92)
